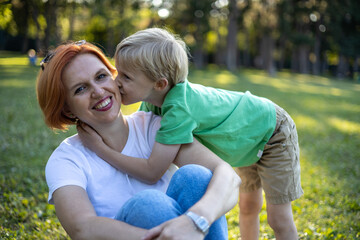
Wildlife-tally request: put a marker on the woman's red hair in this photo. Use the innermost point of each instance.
(50, 89)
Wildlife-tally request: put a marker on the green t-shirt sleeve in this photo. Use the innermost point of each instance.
(177, 126)
(148, 107)
(144, 107)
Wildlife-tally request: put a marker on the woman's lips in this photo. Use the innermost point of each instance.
(104, 104)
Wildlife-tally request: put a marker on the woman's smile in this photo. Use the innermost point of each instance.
(104, 104)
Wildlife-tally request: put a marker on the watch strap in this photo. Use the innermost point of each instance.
(201, 223)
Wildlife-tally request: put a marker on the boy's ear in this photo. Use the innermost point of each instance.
(161, 84)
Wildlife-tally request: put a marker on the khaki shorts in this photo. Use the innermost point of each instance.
(278, 170)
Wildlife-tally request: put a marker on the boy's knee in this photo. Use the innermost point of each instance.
(281, 221)
(250, 208)
(251, 203)
(282, 227)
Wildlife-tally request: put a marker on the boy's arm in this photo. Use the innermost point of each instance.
(146, 170)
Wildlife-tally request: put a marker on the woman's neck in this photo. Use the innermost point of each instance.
(115, 135)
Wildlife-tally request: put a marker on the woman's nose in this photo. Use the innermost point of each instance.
(97, 91)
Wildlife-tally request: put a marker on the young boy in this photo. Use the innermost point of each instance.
(250, 133)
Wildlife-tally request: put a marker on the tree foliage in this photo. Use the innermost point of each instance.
(306, 36)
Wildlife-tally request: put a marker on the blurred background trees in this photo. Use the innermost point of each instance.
(305, 36)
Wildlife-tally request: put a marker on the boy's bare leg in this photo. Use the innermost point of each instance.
(250, 206)
(280, 219)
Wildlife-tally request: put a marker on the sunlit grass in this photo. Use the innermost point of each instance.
(326, 112)
(345, 126)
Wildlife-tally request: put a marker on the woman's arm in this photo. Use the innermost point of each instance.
(223, 190)
(220, 197)
(78, 217)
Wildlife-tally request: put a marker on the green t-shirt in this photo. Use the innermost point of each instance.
(234, 125)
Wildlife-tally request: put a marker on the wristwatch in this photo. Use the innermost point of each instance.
(201, 223)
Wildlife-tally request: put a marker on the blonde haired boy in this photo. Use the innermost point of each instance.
(250, 133)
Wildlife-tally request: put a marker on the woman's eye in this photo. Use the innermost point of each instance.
(101, 76)
(79, 90)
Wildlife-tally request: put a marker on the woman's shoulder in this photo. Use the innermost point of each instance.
(68, 148)
(143, 120)
(72, 142)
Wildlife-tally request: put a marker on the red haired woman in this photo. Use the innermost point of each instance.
(93, 200)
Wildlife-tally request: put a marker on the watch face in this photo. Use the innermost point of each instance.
(202, 224)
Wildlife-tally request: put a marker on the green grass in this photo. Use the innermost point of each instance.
(327, 114)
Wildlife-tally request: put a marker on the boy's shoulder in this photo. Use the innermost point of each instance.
(183, 90)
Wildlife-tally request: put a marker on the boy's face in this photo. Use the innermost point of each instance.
(134, 86)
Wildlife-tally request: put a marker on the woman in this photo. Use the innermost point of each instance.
(76, 83)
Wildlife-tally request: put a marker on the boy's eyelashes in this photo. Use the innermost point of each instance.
(126, 77)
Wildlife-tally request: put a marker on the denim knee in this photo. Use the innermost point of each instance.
(148, 209)
(189, 184)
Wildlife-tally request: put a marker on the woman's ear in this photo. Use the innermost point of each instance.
(161, 84)
(66, 111)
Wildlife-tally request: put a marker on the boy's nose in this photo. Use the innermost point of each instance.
(118, 82)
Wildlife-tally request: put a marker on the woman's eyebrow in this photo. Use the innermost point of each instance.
(101, 70)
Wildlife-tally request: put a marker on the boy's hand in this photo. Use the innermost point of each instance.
(90, 138)
(178, 228)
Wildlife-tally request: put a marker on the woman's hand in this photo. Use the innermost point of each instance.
(91, 139)
(180, 228)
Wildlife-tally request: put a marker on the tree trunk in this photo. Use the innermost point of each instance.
(267, 49)
(282, 42)
(294, 60)
(231, 47)
(198, 57)
(219, 52)
(356, 68)
(316, 64)
(324, 65)
(317, 49)
(35, 15)
(342, 67)
(72, 20)
(109, 40)
(51, 31)
(303, 59)
(198, 52)
(246, 57)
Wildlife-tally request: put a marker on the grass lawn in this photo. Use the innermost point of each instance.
(327, 114)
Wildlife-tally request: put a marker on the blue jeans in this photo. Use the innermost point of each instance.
(150, 208)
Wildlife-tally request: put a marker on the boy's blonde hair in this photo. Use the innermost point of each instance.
(156, 52)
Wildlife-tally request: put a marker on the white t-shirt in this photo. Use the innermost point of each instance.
(108, 189)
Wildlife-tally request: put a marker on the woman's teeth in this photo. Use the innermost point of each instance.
(103, 104)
